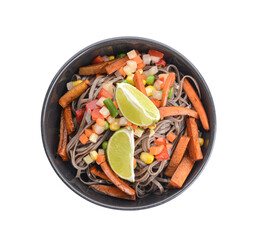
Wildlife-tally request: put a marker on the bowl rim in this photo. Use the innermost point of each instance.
(127, 39)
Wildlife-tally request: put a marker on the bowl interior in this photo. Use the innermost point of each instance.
(51, 117)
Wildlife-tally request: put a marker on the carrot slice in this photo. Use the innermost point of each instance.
(139, 82)
(174, 111)
(137, 59)
(88, 132)
(83, 139)
(141, 65)
(63, 141)
(101, 122)
(68, 119)
(113, 177)
(112, 191)
(194, 148)
(193, 97)
(155, 150)
(167, 86)
(121, 70)
(181, 173)
(96, 114)
(104, 93)
(160, 141)
(171, 136)
(99, 173)
(72, 94)
(156, 102)
(177, 156)
(120, 62)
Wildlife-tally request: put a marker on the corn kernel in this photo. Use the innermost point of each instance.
(111, 57)
(144, 82)
(114, 126)
(93, 155)
(147, 157)
(201, 141)
(152, 126)
(129, 78)
(75, 83)
(140, 71)
(149, 90)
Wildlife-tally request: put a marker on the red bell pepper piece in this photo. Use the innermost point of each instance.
(161, 62)
(104, 93)
(155, 53)
(162, 155)
(92, 105)
(160, 141)
(79, 115)
(98, 59)
(96, 114)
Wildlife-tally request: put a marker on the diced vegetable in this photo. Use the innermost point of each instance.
(161, 62)
(149, 90)
(69, 85)
(132, 54)
(146, 157)
(110, 119)
(157, 94)
(98, 59)
(104, 111)
(155, 59)
(132, 64)
(156, 102)
(79, 115)
(122, 121)
(141, 65)
(160, 141)
(101, 151)
(83, 139)
(88, 159)
(104, 93)
(116, 65)
(167, 87)
(111, 107)
(111, 57)
(106, 58)
(201, 141)
(168, 146)
(105, 145)
(100, 102)
(114, 126)
(146, 59)
(155, 150)
(88, 132)
(98, 129)
(129, 78)
(108, 86)
(174, 111)
(106, 127)
(155, 53)
(121, 55)
(93, 155)
(138, 80)
(101, 122)
(158, 84)
(138, 132)
(162, 155)
(171, 136)
(91, 105)
(94, 138)
(150, 79)
(97, 114)
(128, 70)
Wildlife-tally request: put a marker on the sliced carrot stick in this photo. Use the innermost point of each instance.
(139, 82)
(167, 86)
(113, 177)
(98, 173)
(155, 53)
(120, 62)
(63, 141)
(181, 173)
(177, 156)
(68, 119)
(171, 136)
(73, 93)
(156, 102)
(193, 97)
(194, 148)
(174, 111)
(155, 150)
(121, 70)
(112, 191)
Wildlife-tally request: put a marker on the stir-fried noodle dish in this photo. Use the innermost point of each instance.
(131, 125)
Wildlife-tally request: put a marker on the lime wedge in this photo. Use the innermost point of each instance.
(135, 106)
(120, 152)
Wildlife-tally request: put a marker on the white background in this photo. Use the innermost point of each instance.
(37, 38)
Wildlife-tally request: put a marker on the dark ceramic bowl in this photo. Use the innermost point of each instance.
(51, 116)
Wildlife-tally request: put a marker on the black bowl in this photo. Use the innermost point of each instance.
(51, 116)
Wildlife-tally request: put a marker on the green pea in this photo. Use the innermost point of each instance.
(121, 55)
(150, 79)
(125, 81)
(170, 93)
(104, 145)
(106, 127)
